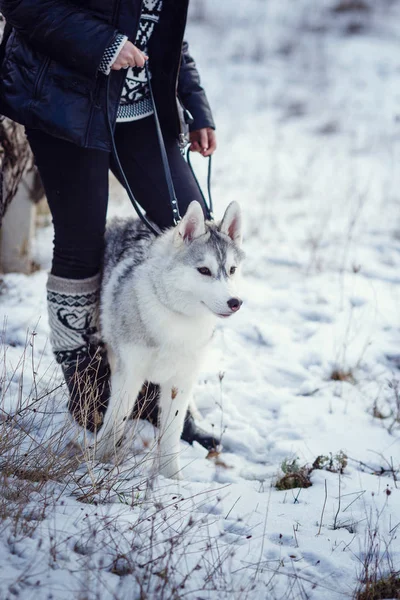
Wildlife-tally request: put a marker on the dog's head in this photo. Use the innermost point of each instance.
(205, 268)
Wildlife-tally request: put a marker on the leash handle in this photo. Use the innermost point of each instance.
(209, 206)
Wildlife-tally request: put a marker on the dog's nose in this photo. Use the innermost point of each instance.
(234, 304)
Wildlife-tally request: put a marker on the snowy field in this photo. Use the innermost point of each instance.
(306, 97)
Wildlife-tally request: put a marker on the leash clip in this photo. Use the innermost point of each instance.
(183, 140)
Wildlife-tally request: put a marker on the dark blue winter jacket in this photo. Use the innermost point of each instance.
(49, 77)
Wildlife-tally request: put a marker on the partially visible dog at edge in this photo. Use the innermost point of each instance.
(160, 301)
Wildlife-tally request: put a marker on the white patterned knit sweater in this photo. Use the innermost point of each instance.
(135, 100)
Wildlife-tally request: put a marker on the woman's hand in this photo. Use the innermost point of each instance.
(130, 56)
(203, 141)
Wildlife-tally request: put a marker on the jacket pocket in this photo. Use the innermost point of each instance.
(67, 79)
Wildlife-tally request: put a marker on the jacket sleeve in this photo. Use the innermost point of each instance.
(111, 53)
(62, 31)
(192, 94)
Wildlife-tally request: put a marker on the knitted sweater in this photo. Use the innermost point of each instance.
(135, 102)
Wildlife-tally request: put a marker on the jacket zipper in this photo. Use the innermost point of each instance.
(94, 100)
(39, 80)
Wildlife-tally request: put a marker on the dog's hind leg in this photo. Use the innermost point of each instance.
(125, 385)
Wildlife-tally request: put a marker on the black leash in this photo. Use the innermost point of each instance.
(176, 217)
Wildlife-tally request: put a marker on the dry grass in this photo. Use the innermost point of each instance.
(297, 476)
(124, 528)
(388, 408)
(376, 589)
(43, 463)
(294, 475)
(378, 578)
(342, 375)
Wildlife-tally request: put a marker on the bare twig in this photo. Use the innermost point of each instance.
(323, 508)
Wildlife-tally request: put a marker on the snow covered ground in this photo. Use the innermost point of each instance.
(307, 104)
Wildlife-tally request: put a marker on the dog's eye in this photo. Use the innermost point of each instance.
(204, 271)
(232, 271)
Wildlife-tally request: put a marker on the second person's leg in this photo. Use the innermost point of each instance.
(76, 185)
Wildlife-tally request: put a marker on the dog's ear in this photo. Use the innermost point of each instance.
(192, 224)
(231, 223)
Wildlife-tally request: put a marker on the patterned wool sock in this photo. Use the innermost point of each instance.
(73, 308)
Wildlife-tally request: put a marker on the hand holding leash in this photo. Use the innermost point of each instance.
(203, 141)
(130, 56)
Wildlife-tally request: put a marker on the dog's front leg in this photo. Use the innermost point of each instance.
(174, 400)
(125, 385)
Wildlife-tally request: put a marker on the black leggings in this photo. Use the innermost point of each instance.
(76, 184)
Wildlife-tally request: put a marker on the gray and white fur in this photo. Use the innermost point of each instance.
(160, 300)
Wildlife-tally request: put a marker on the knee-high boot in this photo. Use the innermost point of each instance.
(73, 307)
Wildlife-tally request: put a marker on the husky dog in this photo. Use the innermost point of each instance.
(160, 300)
